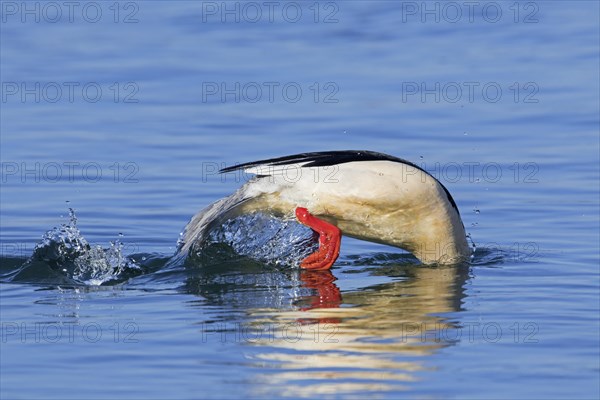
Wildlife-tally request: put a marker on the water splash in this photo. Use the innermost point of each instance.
(66, 251)
(264, 238)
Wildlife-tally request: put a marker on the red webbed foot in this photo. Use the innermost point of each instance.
(329, 241)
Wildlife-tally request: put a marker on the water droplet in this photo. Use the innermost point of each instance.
(345, 131)
(476, 210)
(121, 234)
(421, 157)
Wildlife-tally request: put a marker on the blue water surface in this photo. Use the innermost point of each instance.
(125, 110)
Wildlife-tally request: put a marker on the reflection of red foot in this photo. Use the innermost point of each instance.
(329, 241)
(328, 294)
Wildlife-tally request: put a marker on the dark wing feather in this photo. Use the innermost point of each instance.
(323, 159)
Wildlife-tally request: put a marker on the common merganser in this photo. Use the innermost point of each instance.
(362, 194)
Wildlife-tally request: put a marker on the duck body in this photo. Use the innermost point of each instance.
(366, 195)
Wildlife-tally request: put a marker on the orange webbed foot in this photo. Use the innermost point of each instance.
(329, 241)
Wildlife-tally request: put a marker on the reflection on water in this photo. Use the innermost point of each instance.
(308, 338)
(302, 331)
